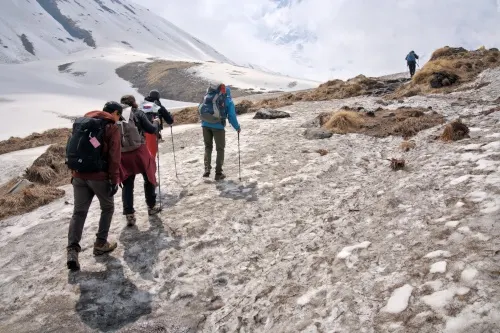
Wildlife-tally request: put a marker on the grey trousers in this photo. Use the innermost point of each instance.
(219, 136)
(84, 192)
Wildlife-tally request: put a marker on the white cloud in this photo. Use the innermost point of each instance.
(322, 39)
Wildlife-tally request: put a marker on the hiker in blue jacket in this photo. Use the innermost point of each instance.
(214, 127)
(411, 60)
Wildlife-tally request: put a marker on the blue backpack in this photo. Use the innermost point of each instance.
(411, 57)
(213, 107)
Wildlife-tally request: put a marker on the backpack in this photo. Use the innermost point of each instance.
(213, 107)
(130, 134)
(149, 107)
(84, 147)
(411, 57)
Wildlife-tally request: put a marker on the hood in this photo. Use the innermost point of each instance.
(228, 92)
(100, 115)
(149, 99)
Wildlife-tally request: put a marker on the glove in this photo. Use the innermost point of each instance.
(112, 189)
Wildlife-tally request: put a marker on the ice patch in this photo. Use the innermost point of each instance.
(464, 230)
(438, 267)
(437, 254)
(398, 302)
(347, 251)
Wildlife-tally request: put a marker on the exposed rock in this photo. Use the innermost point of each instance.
(443, 79)
(271, 114)
(317, 133)
(19, 186)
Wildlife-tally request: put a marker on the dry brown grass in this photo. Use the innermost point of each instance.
(243, 107)
(159, 70)
(343, 122)
(49, 168)
(28, 200)
(397, 164)
(58, 135)
(455, 131)
(407, 145)
(186, 116)
(447, 69)
(404, 122)
(338, 89)
(47, 172)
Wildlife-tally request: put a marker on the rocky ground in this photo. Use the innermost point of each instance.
(305, 242)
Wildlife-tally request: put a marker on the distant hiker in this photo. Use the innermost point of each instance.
(136, 159)
(216, 108)
(411, 60)
(93, 154)
(153, 109)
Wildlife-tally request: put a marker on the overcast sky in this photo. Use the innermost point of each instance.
(322, 39)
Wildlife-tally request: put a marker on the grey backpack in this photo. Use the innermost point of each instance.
(131, 138)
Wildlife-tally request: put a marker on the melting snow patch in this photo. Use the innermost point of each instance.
(478, 196)
(469, 274)
(398, 302)
(347, 251)
(439, 267)
(438, 254)
(309, 296)
(492, 146)
(459, 180)
(439, 299)
(452, 224)
(464, 230)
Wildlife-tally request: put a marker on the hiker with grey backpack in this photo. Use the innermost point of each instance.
(93, 154)
(136, 159)
(217, 107)
(411, 62)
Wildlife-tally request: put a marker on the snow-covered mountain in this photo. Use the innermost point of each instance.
(58, 59)
(45, 29)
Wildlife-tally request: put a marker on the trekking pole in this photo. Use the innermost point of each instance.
(158, 158)
(239, 156)
(173, 150)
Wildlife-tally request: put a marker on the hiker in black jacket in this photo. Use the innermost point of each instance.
(163, 114)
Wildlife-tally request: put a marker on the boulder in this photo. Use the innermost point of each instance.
(271, 114)
(317, 133)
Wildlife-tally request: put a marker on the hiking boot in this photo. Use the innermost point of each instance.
(100, 249)
(220, 176)
(72, 261)
(206, 174)
(130, 220)
(154, 210)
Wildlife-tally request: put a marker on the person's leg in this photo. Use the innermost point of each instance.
(128, 195)
(208, 140)
(412, 68)
(149, 191)
(82, 197)
(107, 203)
(220, 145)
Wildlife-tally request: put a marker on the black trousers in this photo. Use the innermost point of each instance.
(128, 194)
(412, 65)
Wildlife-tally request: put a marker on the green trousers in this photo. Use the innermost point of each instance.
(219, 136)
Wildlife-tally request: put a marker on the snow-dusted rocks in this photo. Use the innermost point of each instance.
(317, 133)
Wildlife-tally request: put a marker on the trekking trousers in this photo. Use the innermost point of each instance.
(412, 65)
(128, 194)
(84, 192)
(219, 136)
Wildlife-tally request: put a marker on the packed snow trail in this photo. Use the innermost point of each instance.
(305, 243)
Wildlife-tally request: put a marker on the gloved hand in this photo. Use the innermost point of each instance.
(112, 189)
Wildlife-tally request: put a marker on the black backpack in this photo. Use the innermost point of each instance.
(84, 147)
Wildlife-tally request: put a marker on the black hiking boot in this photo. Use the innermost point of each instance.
(206, 174)
(220, 176)
(72, 260)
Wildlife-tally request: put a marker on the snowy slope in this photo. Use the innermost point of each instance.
(74, 25)
(304, 243)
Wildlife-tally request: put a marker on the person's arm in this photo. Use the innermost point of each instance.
(145, 124)
(114, 153)
(163, 112)
(231, 114)
(416, 56)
